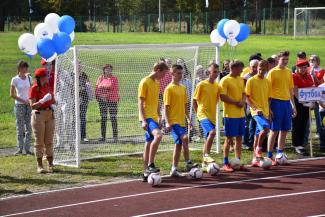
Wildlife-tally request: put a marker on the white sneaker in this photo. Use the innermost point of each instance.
(175, 173)
(85, 140)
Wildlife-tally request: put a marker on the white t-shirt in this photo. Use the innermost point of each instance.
(323, 97)
(22, 87)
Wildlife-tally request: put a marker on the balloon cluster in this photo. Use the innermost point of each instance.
(230, 31)
(51, 38)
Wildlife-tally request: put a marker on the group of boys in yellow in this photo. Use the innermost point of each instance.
(231, 91)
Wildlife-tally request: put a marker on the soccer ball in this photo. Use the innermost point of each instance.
(213, 169)
(266, 163)
(281, 158)
(235, 163)
(196, 173)
(154, 179)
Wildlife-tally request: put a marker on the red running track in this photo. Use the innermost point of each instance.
(294, 190)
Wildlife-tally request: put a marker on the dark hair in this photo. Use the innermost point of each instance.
(22, 64)
(107, 66)
(301, 55)
(160, 65)
(38, 81)
(271, 60)
(215, 65)
(263, 62)
(177, 67)
(283, 54)
(236, 64)
(257, 56)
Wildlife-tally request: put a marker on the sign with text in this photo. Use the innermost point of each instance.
(311, 94)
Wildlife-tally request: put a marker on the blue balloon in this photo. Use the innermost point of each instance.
(244, 32)
(45, 48)
(62, 42)
(66, 24)
(220, 26)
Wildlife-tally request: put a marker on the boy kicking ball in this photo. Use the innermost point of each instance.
(258, 92)
(175, 107)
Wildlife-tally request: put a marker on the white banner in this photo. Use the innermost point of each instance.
(311, 94)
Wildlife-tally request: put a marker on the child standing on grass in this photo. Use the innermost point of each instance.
(41, 98)
(19, 89)
(148, 104)
(175, 107)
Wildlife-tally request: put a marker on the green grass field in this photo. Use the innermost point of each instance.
(18, 174)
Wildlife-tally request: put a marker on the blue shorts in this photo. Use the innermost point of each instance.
(261, 123)
(207, 126)
(282, 112)
(234, 127)
(151, 126)
(178, 132)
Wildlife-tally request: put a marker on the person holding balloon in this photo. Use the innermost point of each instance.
(41, 98)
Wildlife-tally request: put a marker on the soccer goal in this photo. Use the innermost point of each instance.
(309, 21)
(79, 104)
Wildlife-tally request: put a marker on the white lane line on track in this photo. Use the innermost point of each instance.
(121, 182)
(320, 215)
(162, 191)
(230, 202)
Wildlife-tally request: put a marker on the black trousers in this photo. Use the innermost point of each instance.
(83, 121)
(104, 108)
(299, 124)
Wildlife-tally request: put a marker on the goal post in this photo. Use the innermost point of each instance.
(309, 21)
(89, 126)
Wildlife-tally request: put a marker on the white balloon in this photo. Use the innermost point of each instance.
(27, 43)
(52, 20)
(72, 36)
(231, 29)
(216, 38)
(232, 42)
(51, 58)
(43, 30)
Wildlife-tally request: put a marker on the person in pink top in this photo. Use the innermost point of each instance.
(107, 95)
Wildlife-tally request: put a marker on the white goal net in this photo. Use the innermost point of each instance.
(92, 123)
(309, 21)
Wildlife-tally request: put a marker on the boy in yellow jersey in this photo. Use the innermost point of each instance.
(282, 103)
(205, 99)
(258, 92)
(148, 104)
(233, 96)
(175, 107)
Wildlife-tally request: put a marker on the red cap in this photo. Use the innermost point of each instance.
(302, 62)
(43, 62)
(41, 72)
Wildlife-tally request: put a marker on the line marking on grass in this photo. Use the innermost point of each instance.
(230, 202)
(161, 191)
(120, 182)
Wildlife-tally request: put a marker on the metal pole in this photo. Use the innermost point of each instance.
(310, 135)
(288, 17)
(264, 29)
(159, 18)
(294, 24)
(218, 147)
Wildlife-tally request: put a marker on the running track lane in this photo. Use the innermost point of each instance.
(239, 193)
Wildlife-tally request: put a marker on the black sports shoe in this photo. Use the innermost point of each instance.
(152, 169)
(145, 177)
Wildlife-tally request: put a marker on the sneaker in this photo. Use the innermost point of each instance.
(175, 173)
(145, 177)
(84, 140)
(152, 169)
(245, 147)
(40, 170)
(29, 152)
(18, 152)
(227, 168)
(51, 169)
(190, 165)
(208, 160)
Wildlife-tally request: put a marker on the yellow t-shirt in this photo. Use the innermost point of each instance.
(281, 83)
(234, 88)
(207, 96)
(175, 97)
(245, 71)
(149, 90)
(259, 91)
